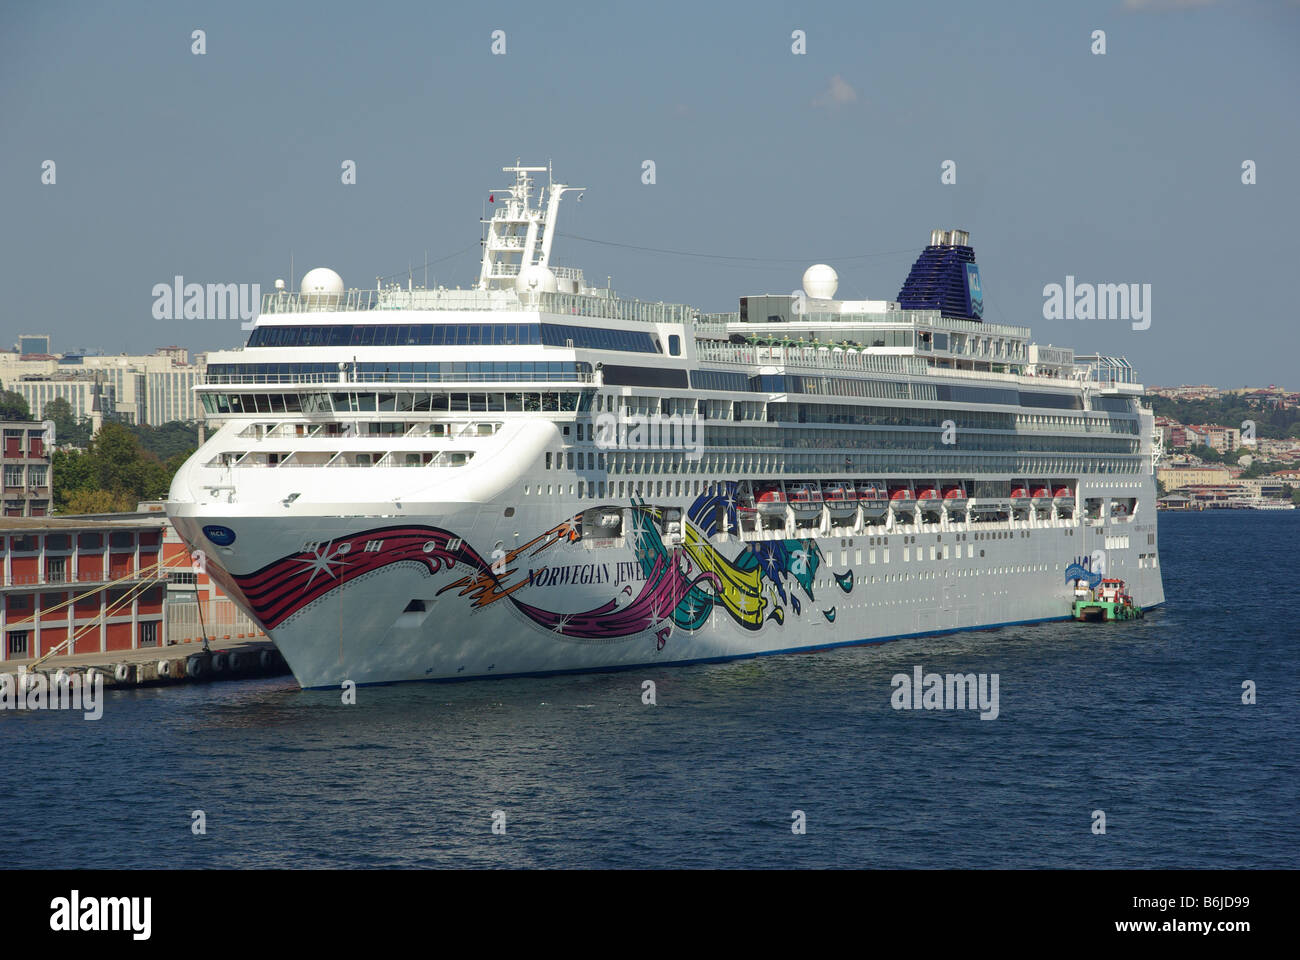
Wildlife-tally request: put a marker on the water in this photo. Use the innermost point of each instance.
(1143, 721)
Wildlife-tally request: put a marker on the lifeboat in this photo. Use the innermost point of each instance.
(927, 493)
(1063, 492)
(874, 497)
(869, 490)
(954, 492)
(841, 499)
(1019, 492)
(805, 500)
(1041, 492)
(770, 501)
(901, 493)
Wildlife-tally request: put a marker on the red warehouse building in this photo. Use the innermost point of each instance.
(96, 581)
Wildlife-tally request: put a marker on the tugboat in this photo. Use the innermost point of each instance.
(1110, 601)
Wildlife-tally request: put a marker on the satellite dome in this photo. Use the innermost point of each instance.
(536, 279)
(322, 280)
(820, 282)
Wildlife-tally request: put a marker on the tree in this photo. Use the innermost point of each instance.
(168, 440)
(99, 501)
(1206, 453)
(116, 466)
(67, 428)
(13, 406)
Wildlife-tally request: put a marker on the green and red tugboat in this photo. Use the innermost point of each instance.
(1110, 601)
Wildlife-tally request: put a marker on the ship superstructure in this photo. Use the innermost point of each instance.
(533, 475)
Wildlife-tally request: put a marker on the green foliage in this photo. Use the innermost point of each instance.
(112, 475)
(67, 428)
(169, 440)
(1231, 411)
(99, 501)
(13, 406)
(1208, 454)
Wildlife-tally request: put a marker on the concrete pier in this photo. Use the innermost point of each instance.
(165, 666)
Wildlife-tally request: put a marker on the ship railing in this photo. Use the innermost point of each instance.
(570, 304)
(911, 318)
(614, 308)
(392, 378)
(818, 358)
(1018, 378)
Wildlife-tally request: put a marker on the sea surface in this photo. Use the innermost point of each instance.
(1142, 720)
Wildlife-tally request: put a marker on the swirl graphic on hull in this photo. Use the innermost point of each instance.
(685, 580)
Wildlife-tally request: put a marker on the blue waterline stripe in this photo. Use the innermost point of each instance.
(738, 656)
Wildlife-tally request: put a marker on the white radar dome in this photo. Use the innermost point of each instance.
(322, 280)
(536, 279)
(820, 282)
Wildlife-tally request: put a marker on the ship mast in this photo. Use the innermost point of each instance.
(520, 235)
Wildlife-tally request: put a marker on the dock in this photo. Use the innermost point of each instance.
(223, 660)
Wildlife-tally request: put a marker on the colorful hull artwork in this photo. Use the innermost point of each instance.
(683, 584)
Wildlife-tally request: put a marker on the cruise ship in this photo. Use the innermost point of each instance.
(534, 475)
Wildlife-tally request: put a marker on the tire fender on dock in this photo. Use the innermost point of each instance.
(218, 663)
(233, 662)
(194, 667)
(164, 669)
(266, 659)
(122, 672)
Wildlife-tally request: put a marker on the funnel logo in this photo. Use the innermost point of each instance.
(974, 292)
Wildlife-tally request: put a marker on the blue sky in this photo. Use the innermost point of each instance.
(1122, 168)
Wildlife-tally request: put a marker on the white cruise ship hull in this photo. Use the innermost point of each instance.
(380, 598)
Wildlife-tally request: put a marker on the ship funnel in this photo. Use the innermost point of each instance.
(945, 277)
